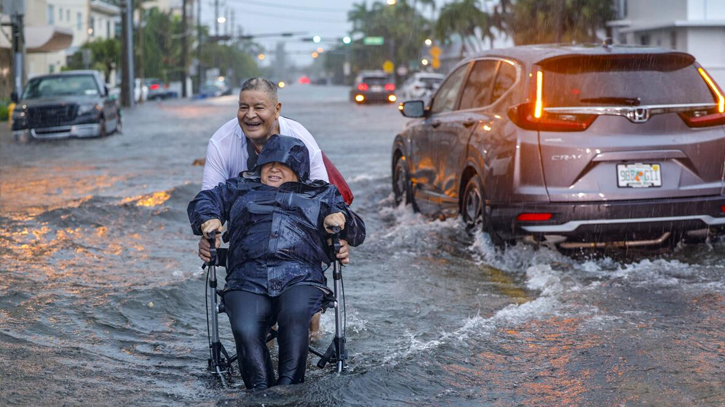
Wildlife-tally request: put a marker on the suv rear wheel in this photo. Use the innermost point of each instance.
(473, 209)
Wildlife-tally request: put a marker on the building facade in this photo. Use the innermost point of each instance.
(693, 26)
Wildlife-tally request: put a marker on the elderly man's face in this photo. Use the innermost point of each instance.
(257, 114)
(275, 174)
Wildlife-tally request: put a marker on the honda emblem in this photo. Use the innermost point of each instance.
(638, 115)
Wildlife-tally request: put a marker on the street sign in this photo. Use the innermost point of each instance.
(388, 66)
(373, 40)
(435, 51)
(435, 63)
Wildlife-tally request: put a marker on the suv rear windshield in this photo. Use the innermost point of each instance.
(623, 80)
(375, 80)
(67, 85)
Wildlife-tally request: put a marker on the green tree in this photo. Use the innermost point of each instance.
(465, 19)
(105, 56)
(402, 25)
(556, 21)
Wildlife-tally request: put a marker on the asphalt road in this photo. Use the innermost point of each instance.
(102, 296)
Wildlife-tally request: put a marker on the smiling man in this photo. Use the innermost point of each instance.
(234, 148)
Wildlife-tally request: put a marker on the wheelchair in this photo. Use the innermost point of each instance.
(220, 362)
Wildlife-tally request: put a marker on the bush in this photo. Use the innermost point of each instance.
(3, 111)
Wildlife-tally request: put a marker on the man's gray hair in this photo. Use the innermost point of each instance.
(263, 84)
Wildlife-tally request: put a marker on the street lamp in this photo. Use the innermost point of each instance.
(221, 20)
(346, 40)
(261, 57)
(392, 2)
(428, 42)
(316, 39)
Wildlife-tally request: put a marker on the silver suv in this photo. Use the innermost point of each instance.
(580, 146)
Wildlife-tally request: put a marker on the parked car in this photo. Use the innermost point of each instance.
(579, 146)
(67, 104)
(157, 89)
(373, 86)
(420, 85)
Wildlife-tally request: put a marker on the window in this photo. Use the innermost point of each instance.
(445, 99)
(51, 68)
(51, 15)
(67, 15)
(673, 39)
(108, 29)
(79, 25)
(477, 91)
(644, 40)
(504, 80)
(60, 13)
(92, 27)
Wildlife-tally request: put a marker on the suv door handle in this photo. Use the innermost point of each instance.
(469, 122)
(435, 123)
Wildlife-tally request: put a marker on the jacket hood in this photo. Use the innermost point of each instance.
(289, 151)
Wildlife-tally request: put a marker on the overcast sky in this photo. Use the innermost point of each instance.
(326, 18)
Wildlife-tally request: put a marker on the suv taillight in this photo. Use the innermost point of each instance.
(389, 87)
(523, 116)
(703, 118)
(362, 87)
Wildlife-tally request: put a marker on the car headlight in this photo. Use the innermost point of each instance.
(18, 114)
(85, 109)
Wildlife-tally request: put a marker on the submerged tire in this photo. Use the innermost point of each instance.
(402, 188)
(473, 209)
(104, 130)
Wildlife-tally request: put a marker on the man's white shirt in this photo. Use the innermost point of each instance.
(226, 154)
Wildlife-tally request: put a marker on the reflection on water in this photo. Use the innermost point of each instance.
(102, 297)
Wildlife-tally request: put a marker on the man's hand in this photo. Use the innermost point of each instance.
(335, 219)
(206, 227)
(344, 254)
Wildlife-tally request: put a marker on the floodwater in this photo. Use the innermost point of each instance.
(102, 296)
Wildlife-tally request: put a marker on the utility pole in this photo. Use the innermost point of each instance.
(140, 51)
(216, 18)
(127, 83)
(184, 49)
(199, 69)
(16, 10)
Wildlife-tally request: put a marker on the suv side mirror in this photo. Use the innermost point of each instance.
(412, 108)
(14, 97)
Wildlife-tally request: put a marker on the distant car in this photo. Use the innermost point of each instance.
(157, 89)
(210, 89)
(223, 84)
(373, 86)
(575, 146)
(67, 104)
(420, 85)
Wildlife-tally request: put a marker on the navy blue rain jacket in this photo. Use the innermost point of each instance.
(277, 237)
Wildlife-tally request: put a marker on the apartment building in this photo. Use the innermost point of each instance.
(693, 26)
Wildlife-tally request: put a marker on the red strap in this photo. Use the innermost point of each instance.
(337, 180)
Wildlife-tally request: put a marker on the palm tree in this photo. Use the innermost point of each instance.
(465, 19)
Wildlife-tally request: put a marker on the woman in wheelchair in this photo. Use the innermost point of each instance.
(278, 222)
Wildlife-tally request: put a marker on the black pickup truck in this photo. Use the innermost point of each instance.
(67, 104)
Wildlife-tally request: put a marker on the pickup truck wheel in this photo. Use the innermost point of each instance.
(104, 130)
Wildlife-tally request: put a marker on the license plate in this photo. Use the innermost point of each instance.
(376, 88)
(639, 175)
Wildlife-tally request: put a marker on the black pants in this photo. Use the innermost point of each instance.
(252, 315)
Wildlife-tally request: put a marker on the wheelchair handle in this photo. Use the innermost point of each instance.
(335, 236)
(212, 247)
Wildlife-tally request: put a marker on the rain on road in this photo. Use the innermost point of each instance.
(102, 296)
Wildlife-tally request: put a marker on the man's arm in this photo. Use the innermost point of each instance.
(215, 172)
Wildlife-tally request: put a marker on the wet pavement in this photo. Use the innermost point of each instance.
(102, 296)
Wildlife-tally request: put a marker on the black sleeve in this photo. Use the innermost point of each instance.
(212, 204)
(354, 232)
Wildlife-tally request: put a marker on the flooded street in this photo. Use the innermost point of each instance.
(102, 294)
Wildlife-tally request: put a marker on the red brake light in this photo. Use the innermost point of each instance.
(523, 116)
(154, 86)
(533, 217)
(703, 118)
(389, 87)
(362, 87)
(722, 208)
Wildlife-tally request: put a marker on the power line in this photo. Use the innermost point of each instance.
(291, 7)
